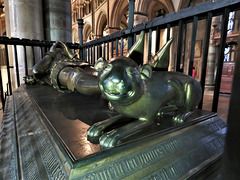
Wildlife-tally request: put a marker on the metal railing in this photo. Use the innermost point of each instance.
(92, 50)
(35, 46)
(109, 46)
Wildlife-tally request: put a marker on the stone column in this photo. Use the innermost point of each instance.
(81, 11)
(87, 6)
(24, 19)
(77, 12)
(210, 75)
(58, 24)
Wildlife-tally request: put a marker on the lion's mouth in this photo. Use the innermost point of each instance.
(115, 93)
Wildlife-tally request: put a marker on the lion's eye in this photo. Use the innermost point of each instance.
(131, 70)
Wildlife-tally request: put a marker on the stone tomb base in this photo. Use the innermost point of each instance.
(44, 136)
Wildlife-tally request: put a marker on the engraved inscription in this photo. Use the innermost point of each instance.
(124, 167)
(31, 129)
(179, 167)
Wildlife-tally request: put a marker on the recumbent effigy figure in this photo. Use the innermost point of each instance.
(65, 72)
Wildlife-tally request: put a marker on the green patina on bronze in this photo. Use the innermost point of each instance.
(136, 51)
(141, 93)
(65, 72)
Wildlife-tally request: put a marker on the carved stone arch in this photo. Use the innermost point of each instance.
(146, 7)
(184, 4)
(141, 6)
(157, 5)
(87, 32)
(118, 10)
(101, 23)
(75, 35)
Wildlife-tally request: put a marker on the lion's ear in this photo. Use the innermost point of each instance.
(145, 71)
(101, 64)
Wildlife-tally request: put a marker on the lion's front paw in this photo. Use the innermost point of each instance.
(109, 139)
(180, 118)
(95, 131)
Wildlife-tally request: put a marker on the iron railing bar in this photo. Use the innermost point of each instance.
(2, 93)
(168, 31)
(194, 34)
(117, 46)
(33, 55)
(88, 58)
(121, 48)
(205, 56)
(83, 54)
(149, 44)
(93, 55)
(29, 42)
(224, 25)
(130, 41)
(45, 49)
(108, 50)
(112, 48)
(41, 52)
(16, 65)
(25, 60)
(179, 45)
(100, 50)
(8, 69)
(97, 51)
(83, 58)
(104, 51)
(134, 37)
(157, 38)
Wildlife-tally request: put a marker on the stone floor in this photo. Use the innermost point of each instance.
(207, 105)
(223, 103)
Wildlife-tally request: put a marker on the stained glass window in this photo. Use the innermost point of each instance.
(227, 50)
(230, 22)
(227, 54)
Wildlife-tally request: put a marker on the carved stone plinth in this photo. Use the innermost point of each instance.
(44, 136)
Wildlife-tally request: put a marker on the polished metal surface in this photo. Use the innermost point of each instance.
(70, 115)
(61, 69)
(136, 51)
(44, 137)
(142, 93)
(58, 50)
(161, 59)
(177, 155)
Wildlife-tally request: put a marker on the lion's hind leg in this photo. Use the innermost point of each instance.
(192, 96)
